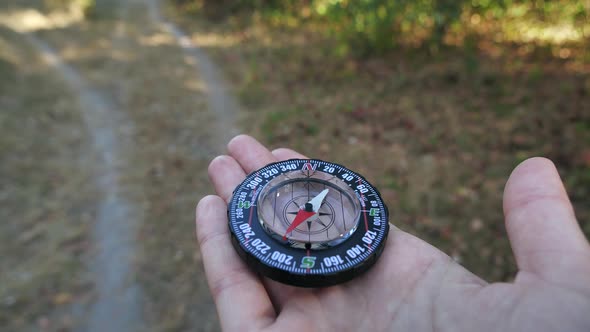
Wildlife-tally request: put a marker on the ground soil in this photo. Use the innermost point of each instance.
(437, 131)
(169, 132)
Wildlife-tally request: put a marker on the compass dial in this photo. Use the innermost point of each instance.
(308, 222)
(286, 195)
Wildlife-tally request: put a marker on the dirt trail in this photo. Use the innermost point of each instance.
(220, 101)
(147, 114)
(117, 307)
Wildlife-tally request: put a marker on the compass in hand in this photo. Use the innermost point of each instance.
(307, 222)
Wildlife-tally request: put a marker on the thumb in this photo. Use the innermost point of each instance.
(543, 230)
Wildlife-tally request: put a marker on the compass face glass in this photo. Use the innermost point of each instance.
(284, 196)
(307, 222)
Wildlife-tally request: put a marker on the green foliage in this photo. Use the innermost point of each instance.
(88, 7)
(220, 9)
(376, 26)
(373, 27)
(365, 25)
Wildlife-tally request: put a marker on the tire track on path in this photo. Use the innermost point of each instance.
(220, 101)
(118, 303)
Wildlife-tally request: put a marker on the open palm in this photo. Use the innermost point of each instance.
(414, 286)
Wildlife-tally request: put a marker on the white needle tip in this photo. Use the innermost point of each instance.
(316, 202)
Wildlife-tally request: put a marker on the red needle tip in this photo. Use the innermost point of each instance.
(301, 216)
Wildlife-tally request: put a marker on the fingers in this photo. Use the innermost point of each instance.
(284, 154)
(225, 173)
(238, 294)
(543, 231)
(249, 153)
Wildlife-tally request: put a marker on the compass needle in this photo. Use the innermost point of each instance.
(268, 209)
(310, 209)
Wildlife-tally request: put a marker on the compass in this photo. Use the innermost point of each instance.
(307, 222)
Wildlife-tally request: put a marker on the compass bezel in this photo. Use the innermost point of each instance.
(306, 267)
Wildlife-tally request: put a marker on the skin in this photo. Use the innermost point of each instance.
(414, 286)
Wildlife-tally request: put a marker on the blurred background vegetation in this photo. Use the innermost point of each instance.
(444, 98)
(85, 7)
(372, 27)
(435, 101)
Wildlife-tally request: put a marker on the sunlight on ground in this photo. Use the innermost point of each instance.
(120, 55)
(30, 20)
(214, 40)
(563, 22)
(520, 24)
(157, 39)
(527, 32)
(195, 85)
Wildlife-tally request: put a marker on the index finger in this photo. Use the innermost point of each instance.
(249, 153)
(284, 154)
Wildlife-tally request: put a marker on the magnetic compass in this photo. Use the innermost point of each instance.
(308, 222)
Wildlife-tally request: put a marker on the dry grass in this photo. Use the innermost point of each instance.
(47, 193)
(173, 138)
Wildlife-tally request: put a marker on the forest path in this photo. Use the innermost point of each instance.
(146, 93)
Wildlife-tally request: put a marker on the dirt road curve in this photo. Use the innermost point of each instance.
(117, 306)
(115, 69)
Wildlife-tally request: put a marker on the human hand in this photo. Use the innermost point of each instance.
(413, 286)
